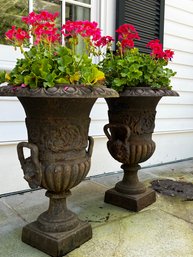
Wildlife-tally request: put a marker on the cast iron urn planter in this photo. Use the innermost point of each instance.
(57, 121)
(129, 133)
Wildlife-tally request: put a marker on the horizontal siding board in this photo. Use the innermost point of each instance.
(185, 98)
(173, 124)
(178, 43)
(183, 58)
(178, 16)
(183, 71)
(6, 65)
(96, 127)
(172, 28)
(182, 84)
(8, 56)
(185, 5)
(176, 111)
(11, 111)
(12, 131)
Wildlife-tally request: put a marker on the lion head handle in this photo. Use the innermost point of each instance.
(31, 165)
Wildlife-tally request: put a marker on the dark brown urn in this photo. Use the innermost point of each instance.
(129, 132)
(57, 121)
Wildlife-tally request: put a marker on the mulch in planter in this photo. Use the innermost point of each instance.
(174, 188)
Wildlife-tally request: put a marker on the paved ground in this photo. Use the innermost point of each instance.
(165, 229)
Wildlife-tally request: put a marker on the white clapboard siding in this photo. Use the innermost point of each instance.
(99, 117)
(8, 56)
(174, 123)
(12, 125)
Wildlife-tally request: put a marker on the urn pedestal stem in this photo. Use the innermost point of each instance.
(129, 193)
(130, 183)
(58, 230)
(57, 218)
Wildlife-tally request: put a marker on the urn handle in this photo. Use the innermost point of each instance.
(106, 131)
(125, 131)
(118, 141)
(90, 146)
(31, 165)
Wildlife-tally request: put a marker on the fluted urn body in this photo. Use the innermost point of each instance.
(129, 132)
(57, 121)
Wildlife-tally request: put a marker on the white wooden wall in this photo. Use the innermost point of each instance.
(174, 124)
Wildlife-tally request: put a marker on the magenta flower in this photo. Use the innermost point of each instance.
(17, 35)
(42, 17)
(158, 52)
(10, 34)
(103, 41)
(126, 35)
(168, 54)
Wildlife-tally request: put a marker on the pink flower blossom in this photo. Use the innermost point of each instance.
(30, 19)
(153, 42)
(46, 31)
(18, 35)
(126, 35)
(86, 29)
(10, 34)
(23, 85)
(21, 34)
(103, 41)
(168, 54)
(127, 43)
(42, 17)
(157, 50)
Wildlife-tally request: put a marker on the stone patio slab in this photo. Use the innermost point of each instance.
(164, 229)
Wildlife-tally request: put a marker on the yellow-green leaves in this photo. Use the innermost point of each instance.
(47, 67)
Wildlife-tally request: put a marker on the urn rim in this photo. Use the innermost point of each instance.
(60, 91)
(147, 92)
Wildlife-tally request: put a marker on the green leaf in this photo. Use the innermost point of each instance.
(119, 82)
(2, 76)
(48, 84)
(62, 81)
(28, 79)
(19, 79)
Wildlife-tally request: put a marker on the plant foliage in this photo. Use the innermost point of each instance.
(130, 68)
(48, 62)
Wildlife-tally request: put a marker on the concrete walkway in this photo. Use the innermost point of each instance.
(164, 229)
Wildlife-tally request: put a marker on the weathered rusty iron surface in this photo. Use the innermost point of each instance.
(64, 91)
(57, 122)
(147, 91)
(174, 188)
(60, 159)
(129, 132)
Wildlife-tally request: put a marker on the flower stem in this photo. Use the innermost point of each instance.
(23, 52)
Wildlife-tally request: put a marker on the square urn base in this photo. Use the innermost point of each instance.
(56, 244)
(130, 202)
